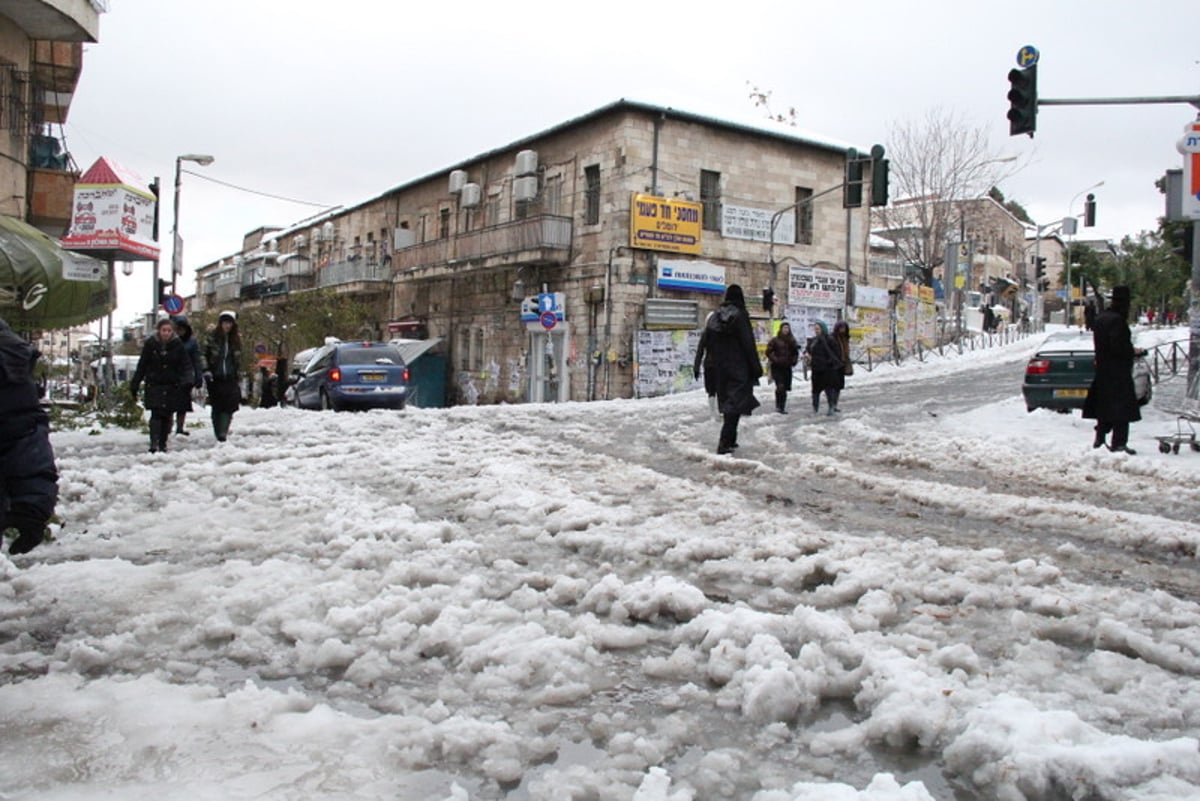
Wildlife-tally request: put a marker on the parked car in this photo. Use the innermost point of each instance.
(299, 362)
(353, 375)
(1060, 372)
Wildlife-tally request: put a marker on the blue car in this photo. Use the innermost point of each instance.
(353, 375)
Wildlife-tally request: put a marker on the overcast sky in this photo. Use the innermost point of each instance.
(335, 103)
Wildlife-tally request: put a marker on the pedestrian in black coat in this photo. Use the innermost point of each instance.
(735, 358)
(183, 329)
(703, 365)
(221, 358)
(28, 476)
(1111, 400)
(823, 354)
(783, 354)
(165, 368)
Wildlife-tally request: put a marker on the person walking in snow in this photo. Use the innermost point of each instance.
(783, 354)
(183, 329)
(1112, 400)
(221, 358)
(825, 365)
(735, 357)
(165, 368)
(841, 335)
(28, 476)
(704, 359)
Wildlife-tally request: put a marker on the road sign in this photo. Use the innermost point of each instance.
(172, 304)
(1027, 56)
(548, 320)
(1189, 146)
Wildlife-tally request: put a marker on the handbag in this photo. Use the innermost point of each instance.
(1141, 381)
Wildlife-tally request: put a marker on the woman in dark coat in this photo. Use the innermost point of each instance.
(704, 358)
(825, 364)
(735, 359)
(783, 353)
(184, 330)
(1111, 400)
(28, 475)
(221, 359)
(166, 370)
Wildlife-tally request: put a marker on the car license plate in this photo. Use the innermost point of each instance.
(374, 378)
(1070, 393)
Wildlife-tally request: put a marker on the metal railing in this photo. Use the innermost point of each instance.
(545, 232)
(353, 272)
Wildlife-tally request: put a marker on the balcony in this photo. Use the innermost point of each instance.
(55, 68)
(51, 196)
(353, 272)
(58, 20)
(538, 240)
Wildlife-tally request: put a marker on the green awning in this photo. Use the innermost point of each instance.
(35, 293)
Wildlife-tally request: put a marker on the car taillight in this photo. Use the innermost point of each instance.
(1037, 367)
(335, 375)
(405, 374)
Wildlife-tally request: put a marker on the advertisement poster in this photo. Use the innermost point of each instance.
(112, 212)
(667, 224)
(664, 362)
(811, 286)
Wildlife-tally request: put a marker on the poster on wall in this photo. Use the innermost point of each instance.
(664, 362)
(743, 222)
(813, 286)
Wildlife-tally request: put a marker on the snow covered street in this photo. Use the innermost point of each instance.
(584, 602)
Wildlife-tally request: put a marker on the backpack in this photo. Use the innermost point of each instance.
(721, 321)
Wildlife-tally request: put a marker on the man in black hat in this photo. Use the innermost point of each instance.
(1111, 400)
(28, 477)
(730, 337)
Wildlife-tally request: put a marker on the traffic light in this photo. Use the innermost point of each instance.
(768, 299)
(853, 186)
(1089, 211)
(1022, 99)
(879, 182)
(1040, 273)
(164, 289)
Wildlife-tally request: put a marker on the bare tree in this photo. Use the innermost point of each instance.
(937, 163)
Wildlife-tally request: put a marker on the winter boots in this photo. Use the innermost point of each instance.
(29, 528)
(160, 427)
(221, 423)
(781, 401)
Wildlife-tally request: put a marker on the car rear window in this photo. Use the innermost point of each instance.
(377, 355)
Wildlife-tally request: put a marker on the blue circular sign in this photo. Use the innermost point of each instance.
(1027, 56)
(172, 304)
(548, 320)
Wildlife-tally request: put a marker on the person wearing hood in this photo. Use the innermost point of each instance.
(165, 368)
(28, 475)
(783, 353)
(1111, 399)
(183, 329)
(822, 355)
(221, 360)
(730, 339)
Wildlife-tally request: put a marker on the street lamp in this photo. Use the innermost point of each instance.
(176, 240)
(1070, 315)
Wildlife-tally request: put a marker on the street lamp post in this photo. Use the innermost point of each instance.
(176, 240)
(1070, 315)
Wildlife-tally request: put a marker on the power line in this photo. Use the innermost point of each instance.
(204, 177)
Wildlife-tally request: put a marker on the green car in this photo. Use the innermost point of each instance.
(1060, 373)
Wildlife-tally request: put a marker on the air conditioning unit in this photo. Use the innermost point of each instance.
(527, 162)
(471, 195)
(327, 233)
(458, 179)
(525, 188)
(299, 241)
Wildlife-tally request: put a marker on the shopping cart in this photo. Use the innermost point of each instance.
(1188, 415)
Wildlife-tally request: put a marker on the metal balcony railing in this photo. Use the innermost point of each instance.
(551, 235)
(352, 272)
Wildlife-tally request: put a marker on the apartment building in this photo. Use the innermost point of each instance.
(546, 264)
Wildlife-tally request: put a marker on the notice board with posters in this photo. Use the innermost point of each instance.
(664, 362)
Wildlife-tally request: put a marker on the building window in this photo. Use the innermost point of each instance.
(804, 216)
(493, 210)
(464, 349)
(477, 351)
(552, 199)
(710, 199)
(444, 224)
(591, 179)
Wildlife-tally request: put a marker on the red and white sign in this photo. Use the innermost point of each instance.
(1189, 146)
(113, 212)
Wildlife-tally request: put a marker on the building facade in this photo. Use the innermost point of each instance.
(540, 263)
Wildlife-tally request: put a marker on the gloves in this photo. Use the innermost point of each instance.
(207, 376)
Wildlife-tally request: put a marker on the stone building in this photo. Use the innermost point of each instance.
(541, 263)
